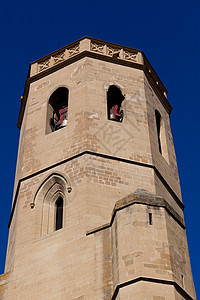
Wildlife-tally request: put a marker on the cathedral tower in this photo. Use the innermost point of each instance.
(97, 211)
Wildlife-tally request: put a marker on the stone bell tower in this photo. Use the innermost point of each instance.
(97, 210)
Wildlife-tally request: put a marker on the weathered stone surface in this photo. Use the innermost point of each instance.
(123, 234)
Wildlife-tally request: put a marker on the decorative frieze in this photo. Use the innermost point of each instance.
(114, 52)
(74, 50)
(59, 58)
(44, 65)
(111, 51)
(132, 56)
(99, 48)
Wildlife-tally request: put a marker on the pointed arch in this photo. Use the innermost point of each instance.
(50, 211)
(49, 182)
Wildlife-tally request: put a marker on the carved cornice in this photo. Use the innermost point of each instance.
(97, 49)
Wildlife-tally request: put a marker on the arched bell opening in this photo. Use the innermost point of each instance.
(114, 103)
(57, 111)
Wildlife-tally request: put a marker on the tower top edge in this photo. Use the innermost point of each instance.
(98, 49)
(95, 40)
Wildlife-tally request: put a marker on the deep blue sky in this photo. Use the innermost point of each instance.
(168, 33)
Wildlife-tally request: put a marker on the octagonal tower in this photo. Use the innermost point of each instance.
(97, 210)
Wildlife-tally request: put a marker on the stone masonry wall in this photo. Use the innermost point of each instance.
(88, 81)
(105, 249)
(104, 263)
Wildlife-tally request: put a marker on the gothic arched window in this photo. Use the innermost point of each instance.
(114, 103)
(51, 200)
(57, 111)
(59, 213)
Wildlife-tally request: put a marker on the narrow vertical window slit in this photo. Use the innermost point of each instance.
(182, 280)
(59, 213)
(150, 219)
(158, 126)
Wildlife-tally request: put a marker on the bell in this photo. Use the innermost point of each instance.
(63, 123)
(112, 117)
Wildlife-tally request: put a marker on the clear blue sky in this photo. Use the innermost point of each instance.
(168, 33)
